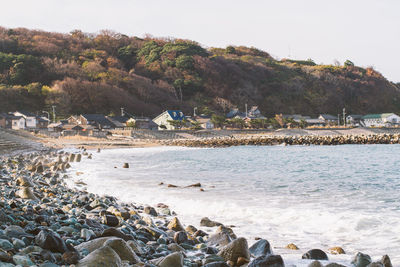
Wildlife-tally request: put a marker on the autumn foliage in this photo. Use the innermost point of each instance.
(100, 73)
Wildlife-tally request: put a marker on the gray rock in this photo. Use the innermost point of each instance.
(376, 264)
(87, 234)
(26, 193)
(237, 248)
(361, 260)
(174, 259)
(217, 264)
(268, 261)
(180, 237)
(208, 223)
(124, 251)
(110, 220)
(220, 239)
(175, 248)
(48, 240)
(175, 225)
(18, 243)
(386, 261)
(4, 256)
(315, 254)
(14, 231)
(260, 248)
(102, 257)
(316, 263)
(92, 245)
(334, 265)
(150, 210)
(6, 245)
(22, 260)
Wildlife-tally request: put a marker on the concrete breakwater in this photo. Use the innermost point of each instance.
(287, 140)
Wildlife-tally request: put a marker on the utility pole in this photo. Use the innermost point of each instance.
(338, 119)
(194, 111)
(344, 117)
(122, 112)
(54, 113)
(245, 107)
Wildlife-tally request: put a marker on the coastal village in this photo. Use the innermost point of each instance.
(175, 120)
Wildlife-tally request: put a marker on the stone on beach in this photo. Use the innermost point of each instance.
(235, 249)
(174, 259)
(267, 261)
(260, 248)
(124, 251)
(292, 246)
(26, 193)
(361, 260)
(336, 250)
(208, 223)
(102, 257)
(48, 240)
(175, 225)
(315, 254)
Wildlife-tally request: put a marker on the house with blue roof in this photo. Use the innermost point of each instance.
(163, 120)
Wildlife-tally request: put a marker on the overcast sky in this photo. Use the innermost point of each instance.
(365, 31)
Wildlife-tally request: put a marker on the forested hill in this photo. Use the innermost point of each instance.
(100, 73)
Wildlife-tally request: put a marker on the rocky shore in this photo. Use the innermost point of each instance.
(287, 140)
(45, 223)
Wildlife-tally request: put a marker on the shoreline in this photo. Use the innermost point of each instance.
(92, 224)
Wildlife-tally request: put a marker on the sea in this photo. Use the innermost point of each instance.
(312, 196)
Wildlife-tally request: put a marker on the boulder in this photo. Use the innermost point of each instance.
(292, 246)
(227, 230)
(26, 193)
(376, 264)
(217, 264)
(336, 250)
(150, 210)
(92, 245)
(220, 239)
(15, 231)
(235, 249)
(315, 264)
(117, 233)
(136, 247)
(208, 223)
(102, 257)
(46, 239)
(6, 245)
(22, 260)
(180, 237)
(175, 248)
(110, 220)
(260, 248)
(361, 260)
(174, 259)
(386, 261)
(333, 264)
(315, 254)
(268, 261)
(175, 225)
(70, 257)
(124, 251)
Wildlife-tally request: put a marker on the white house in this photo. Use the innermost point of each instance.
(30, 118)
(163, 120)
(205, 123)
(17, 122)
(380, 120)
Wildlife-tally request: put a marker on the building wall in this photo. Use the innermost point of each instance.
(2, 122)
(18, 124)
(163, 120)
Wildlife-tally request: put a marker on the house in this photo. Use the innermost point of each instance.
(17, 122)
(205, 122)
(30, 118)
(315, 122)
(55, 127)
(254, 112)
(329, 119)
(380, 120)
(118, 121)
(142, 123)
(353, 119)
(3, 121)
(98, 121)
(163, 120)
(42, 122)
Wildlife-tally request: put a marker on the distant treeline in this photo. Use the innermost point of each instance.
(100, 73)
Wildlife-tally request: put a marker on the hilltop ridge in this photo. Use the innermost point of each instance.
(100, 73)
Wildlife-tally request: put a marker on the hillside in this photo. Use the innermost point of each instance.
(99, 73)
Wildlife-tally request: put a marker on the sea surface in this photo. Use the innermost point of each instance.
(312, 196)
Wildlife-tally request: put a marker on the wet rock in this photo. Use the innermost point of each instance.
(126, 165)
(87, 234)
(78, 157)
(361, 260)
(175, 225)
(110, 220)
(115, 232)
(70, 257)
(292, 246)
(22, 260)
(18, 243)
(135, 246)
(26, 193)
(174, 259)
(15, 231)
(104, 256)
(375, 264)
(316, 263)
(191, 229)
(180, 237)
(268, 261)
(334, 265)
(92, 245)
(315, 254)
(150, 210)
(208, 223)
(6, 245)
(175, 248)
(217, 264)
(48, 240)
(235, 249)
(336, 250)
(386, 261)
(24, 181)
(227, 230)
(260, 248)
(4, 256)
(220, 239)
(194, 185)
(124, 251)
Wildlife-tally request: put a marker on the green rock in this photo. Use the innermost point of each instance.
(6, 245)
(22, 260)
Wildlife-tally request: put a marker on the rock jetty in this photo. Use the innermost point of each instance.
(286, 140)
(47, 224)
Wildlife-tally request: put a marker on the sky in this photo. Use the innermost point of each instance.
(366, 32)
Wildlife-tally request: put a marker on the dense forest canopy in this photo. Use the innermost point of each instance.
(100, 73)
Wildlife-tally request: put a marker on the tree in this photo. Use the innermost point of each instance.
(279, 120)
(184, 62)
(348, 63)
(218, 120)
(196, 125)
(237, 123)
(230, 50)
(177, 124)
